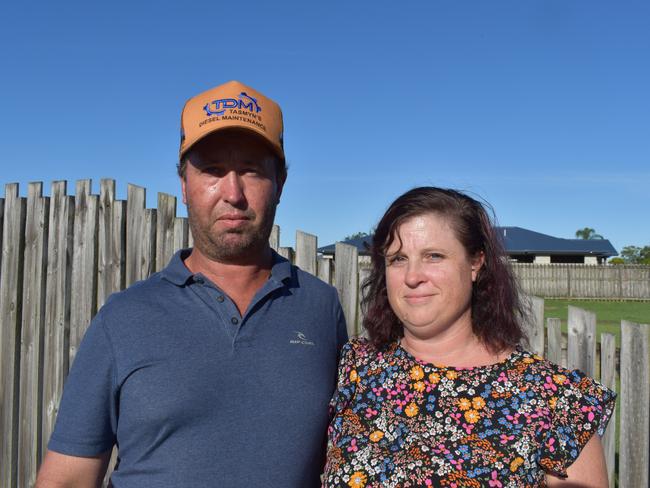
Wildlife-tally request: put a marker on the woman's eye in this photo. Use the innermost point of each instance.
(434, 256)
(395, 260)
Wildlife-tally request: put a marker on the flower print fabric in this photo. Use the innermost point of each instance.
(400, 422)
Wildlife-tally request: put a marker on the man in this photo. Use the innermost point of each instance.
(217, 371)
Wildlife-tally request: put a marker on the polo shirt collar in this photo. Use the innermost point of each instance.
(177, 273)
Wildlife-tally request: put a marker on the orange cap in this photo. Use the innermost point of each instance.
(232, 105)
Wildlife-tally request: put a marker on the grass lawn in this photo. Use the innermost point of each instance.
(608, 314)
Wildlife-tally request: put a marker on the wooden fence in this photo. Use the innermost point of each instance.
(614, 282)
(63, 255)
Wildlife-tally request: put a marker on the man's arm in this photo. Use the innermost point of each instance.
(63, 471)
(588, 471)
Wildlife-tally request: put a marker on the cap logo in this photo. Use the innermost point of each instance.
(219, 107)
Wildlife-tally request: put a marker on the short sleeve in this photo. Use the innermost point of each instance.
(87, 419)
(580, 408)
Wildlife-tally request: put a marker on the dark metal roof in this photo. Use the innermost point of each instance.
(517, 240)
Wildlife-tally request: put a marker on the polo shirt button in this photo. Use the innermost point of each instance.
(234, 320)
(220, 298)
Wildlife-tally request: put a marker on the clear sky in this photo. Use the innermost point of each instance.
(540, 107)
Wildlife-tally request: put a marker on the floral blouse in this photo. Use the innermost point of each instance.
(400, 422)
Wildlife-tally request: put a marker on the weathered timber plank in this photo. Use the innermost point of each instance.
(364, 274)
(57, 305)
(608, 379)
(31, 351)
(274, 238)
(165, 222)
(181, 230)
(135, 232)
(533, 323)
(634, 445)
(11, 295)
(325, 269)
(554, 331)
(582, 340)
(287, 253)
(306, 251)
(83, 296)
(111, 249)
(347, 283)
(148, 244)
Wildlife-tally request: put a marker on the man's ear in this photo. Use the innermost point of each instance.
(183, 189)
(279, 185)
(477, 263)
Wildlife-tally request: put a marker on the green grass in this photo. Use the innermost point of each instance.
(608, 314)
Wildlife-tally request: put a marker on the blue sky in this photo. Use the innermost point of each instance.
(540, 107)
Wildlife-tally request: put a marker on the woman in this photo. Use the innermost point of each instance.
(441, 394)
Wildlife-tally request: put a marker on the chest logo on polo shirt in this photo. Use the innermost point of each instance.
(301, 338)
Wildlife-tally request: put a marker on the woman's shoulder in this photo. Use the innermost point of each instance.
(560, 382)
(362, 350)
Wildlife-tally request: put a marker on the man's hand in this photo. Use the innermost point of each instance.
(63, 471)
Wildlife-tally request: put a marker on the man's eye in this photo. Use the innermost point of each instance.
(434, 256)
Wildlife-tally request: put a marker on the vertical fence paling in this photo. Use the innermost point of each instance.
(582, 340)
(306, 252)
(534, 323)
(11, 282)
(635, 407)
(57, 307)
(111, 247)
(135, 232)
(31, 351)
(608, 379)
(346, 279)
(83, 296)
(165, 229)
(554, 329)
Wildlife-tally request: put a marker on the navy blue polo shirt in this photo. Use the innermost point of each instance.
(195, 394)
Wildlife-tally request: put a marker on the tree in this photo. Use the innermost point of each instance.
(587, 233)
(356, 235)
(635, 254)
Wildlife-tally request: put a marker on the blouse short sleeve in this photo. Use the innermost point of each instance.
(345, 387)
(580, 408)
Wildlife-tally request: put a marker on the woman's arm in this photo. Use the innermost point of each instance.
(588, 471)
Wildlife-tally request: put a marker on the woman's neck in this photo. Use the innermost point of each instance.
(459, 348)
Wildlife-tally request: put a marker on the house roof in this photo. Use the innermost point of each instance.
(523, 241)
(517, 240)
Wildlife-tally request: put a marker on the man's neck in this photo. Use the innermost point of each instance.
(239, 280)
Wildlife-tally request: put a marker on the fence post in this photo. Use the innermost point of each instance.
(274, 238)
(57, 307)
(31, 340)
(347, 283)
(364, 272)
(582, 340)
(181, 233)
(83, 296)
(135, 232)
(287, 253)
(554, 331)
(112, 242)
(11, 294)
(325, 269)
(306, 249)
(634, 445)
(166, 216)
(534, 323)
(608, 379)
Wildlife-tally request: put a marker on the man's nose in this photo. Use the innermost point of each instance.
(232, 189)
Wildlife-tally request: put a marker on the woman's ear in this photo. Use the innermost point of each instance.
(477, 264)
